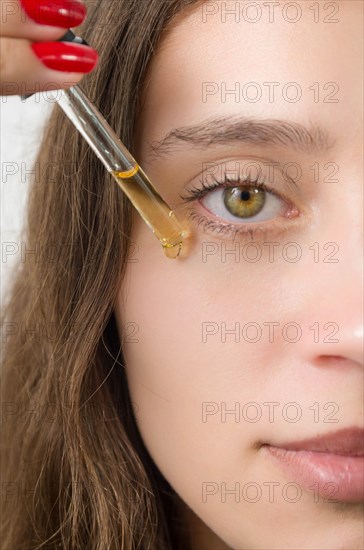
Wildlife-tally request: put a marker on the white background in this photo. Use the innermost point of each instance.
(21, 126)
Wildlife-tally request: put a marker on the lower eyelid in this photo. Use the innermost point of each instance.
(220, 230)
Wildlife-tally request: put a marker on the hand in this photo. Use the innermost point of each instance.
(31, 59)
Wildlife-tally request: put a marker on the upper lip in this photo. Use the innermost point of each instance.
(347, 442)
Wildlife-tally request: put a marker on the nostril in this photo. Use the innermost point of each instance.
(331, 357)
(332, 361)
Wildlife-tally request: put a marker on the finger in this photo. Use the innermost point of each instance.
(42, 20)
(32, 67)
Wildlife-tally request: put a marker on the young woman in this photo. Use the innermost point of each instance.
(213, 401)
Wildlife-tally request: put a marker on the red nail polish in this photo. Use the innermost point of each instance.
(62, 56)
(58, 13)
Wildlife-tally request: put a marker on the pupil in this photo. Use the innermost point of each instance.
(245, 195)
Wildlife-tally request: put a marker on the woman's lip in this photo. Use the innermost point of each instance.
(346, 442)
(325, 475)
(329, 465)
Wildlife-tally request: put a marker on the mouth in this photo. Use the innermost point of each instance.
(330, 466)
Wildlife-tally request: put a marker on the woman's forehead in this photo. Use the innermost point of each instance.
(214, 61)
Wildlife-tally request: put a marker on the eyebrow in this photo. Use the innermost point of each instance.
(247, 130)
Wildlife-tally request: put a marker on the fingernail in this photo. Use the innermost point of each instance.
(62, 56)
(58, 13)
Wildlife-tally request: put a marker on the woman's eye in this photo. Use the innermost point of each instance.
(243, 203)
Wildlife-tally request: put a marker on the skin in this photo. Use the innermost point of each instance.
(171, 371)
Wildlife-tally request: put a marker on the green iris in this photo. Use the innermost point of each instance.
(244, 202)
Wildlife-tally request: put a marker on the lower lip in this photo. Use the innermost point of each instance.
(333, 477)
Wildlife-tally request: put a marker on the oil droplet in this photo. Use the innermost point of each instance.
(172, 251)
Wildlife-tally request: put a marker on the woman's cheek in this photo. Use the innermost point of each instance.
(170, 315)
(182, 321)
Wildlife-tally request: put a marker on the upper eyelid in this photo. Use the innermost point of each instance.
(196, 193)
(266, 164)
(260, 184)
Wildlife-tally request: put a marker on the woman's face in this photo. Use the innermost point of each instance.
(253, 336)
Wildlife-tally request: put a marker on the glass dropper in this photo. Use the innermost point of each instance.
(123, 167)
(120, 163)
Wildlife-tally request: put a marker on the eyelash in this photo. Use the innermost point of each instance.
(195, 194)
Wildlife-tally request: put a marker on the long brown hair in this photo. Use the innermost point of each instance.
(75, 472)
